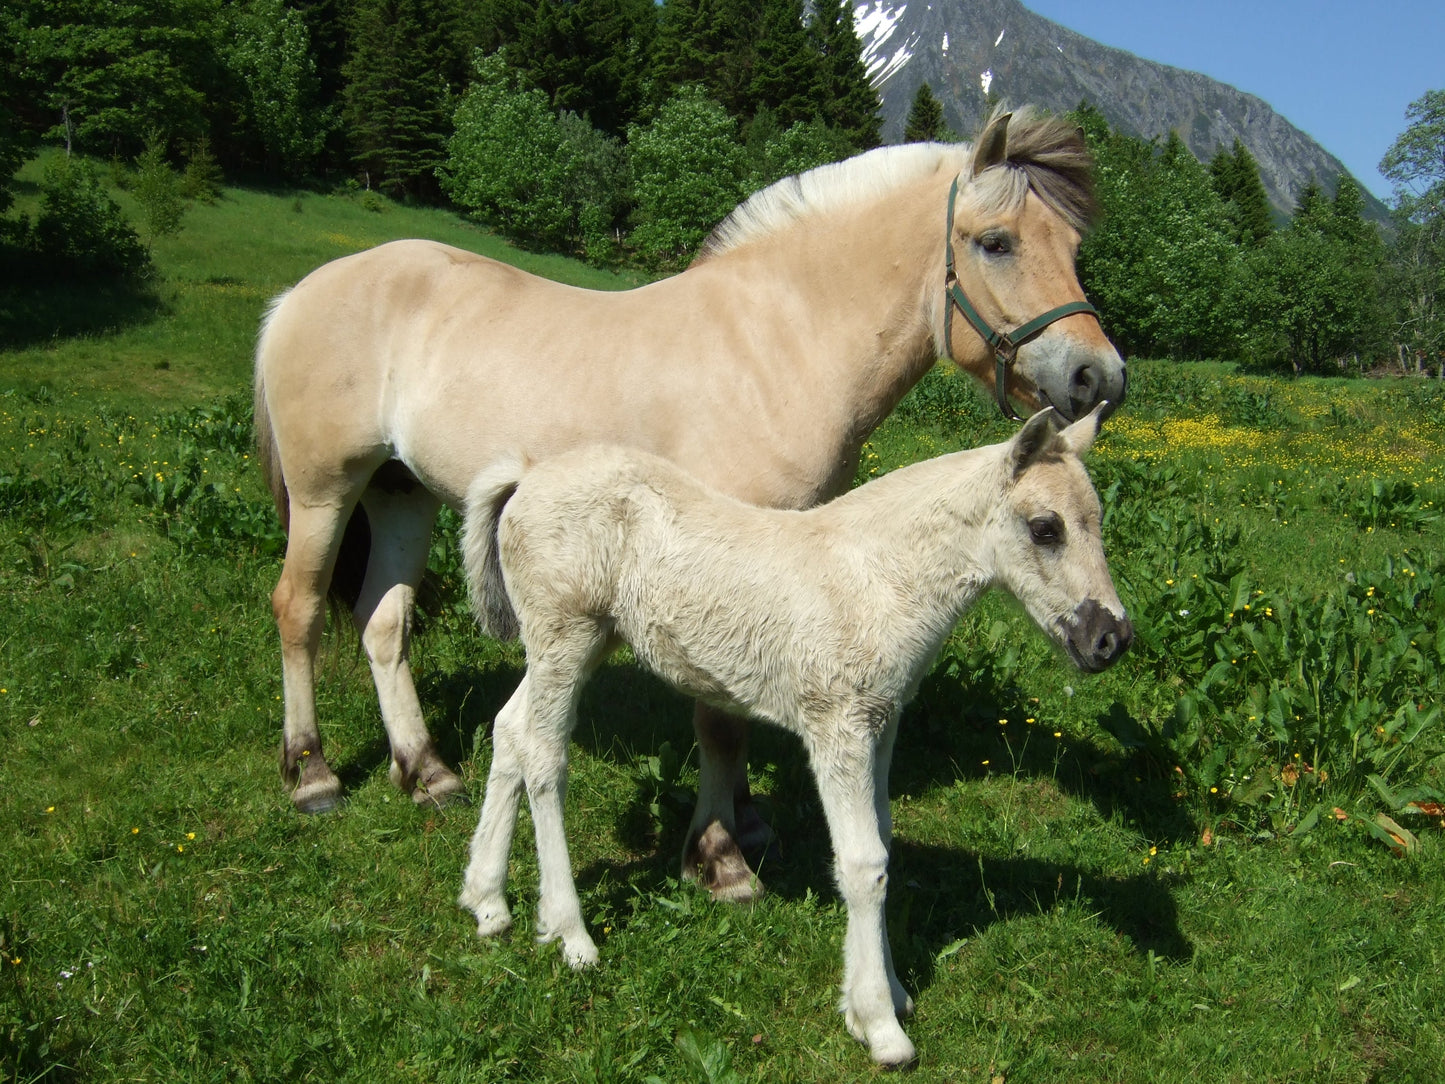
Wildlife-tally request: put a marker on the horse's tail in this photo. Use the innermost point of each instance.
(486, 497)
(266, 454)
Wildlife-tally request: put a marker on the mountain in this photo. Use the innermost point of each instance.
(973, 52)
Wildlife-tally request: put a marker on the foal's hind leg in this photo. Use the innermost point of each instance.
(485, 882)
(401, 520)
(299, 604)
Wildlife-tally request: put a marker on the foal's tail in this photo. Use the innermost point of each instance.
(266, 454)
(486, 497)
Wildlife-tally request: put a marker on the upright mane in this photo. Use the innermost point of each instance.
(825, 188)
(1045, 154)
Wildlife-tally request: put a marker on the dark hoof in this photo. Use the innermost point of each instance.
(716, 863)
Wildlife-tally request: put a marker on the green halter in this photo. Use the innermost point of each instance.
(1005, 345)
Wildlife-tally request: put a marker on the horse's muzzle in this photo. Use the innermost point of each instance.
(1096, 637)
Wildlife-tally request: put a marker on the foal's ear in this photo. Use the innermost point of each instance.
(992, 146)
(1081, 435)
(1036, 437)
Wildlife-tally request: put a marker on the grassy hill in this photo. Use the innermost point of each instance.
(1173, 869)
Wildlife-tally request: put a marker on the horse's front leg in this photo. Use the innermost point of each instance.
(725, 819)
(843, 763)
(401, 523)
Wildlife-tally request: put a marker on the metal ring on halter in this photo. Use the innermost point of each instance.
(1005, 345)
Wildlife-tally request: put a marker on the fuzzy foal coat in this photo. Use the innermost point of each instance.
(822, 622)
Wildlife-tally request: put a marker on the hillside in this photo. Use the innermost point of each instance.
(971, 52)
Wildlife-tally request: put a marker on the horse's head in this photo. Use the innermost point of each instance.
(1050, 554)
(1015, 315)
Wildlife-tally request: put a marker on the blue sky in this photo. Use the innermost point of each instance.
(1341, 70)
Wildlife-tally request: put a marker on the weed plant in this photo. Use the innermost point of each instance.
(1220, 859)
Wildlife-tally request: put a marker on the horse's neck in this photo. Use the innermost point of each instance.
(862, 286)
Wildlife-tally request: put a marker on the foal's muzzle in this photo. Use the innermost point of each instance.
(1096, 638)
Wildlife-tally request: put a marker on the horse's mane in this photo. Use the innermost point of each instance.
(1046, 154)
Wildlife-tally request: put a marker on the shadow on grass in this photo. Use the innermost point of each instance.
(40, 305)
(938, 893)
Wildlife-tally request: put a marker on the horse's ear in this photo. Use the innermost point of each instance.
(1030, 442)
(1081, 435)
(992, 146)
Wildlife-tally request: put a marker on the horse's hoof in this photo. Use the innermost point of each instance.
(715, 861)
(317, 796)
(442, 789)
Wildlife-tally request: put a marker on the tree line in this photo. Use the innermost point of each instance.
(625, 129)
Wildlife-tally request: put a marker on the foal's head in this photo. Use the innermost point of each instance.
(1021, 206)
(1050, 554)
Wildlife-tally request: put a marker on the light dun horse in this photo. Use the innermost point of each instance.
(386, 381)
(822, 621)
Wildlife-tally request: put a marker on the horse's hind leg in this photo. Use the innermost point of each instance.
(299, 605)
(724, 819)
(401, 517)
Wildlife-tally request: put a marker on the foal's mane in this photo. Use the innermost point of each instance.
(1045, 154)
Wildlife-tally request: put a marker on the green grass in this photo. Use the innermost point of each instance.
(1082, 888)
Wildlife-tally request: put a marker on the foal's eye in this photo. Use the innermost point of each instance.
(995, 243)
(1046, 530)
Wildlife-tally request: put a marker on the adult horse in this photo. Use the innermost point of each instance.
(386, 381)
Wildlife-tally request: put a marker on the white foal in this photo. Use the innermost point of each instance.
(822, 621)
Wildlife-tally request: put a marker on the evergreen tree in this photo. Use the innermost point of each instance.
(397, 104)
(1316, 298)
(710, 43)
(925, 118)
(786, 72)
(849, 101)
(589, 56)
(1235, 176)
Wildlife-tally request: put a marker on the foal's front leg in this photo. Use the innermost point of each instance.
(871, 992)
(484, 886)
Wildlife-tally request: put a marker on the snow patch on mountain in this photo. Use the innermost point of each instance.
(875, 23)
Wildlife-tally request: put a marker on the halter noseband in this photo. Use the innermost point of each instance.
(1005, 345)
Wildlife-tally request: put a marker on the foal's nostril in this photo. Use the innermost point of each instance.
(1115, 640)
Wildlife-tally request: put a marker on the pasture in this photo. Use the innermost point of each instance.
(1175, 870)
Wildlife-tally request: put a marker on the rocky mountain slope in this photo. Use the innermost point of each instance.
(971, 52)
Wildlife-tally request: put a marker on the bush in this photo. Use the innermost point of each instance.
(555, 182)
(689, 171)
(81, 229)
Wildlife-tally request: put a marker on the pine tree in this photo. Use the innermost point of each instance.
(397, 108)
(709, 43)
(925, 118)
(786, 69)
(849, 101)
(1235, 177)
(589, 56)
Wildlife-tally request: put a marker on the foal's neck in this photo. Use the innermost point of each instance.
(929, 529)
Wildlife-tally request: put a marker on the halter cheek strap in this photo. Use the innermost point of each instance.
(1005, 345)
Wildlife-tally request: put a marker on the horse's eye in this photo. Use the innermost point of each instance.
(1046, 530)
(995, 243)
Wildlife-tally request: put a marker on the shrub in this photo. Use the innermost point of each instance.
(81, 229)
